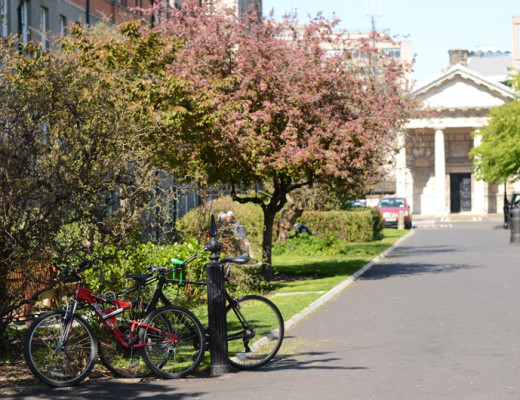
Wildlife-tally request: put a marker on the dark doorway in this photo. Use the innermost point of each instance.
(460, 187)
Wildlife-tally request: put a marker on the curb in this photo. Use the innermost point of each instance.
(338, 288)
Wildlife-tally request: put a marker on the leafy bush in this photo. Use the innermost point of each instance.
(138, 258)
(350, 226)
(135, 261)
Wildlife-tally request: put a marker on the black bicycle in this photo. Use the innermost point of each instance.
(255, 327)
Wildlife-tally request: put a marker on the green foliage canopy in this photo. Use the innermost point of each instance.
(75, 172)
(497, 158)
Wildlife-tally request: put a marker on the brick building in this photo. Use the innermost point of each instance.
(40, 20)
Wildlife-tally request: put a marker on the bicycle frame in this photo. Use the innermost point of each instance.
(231, 301)
(108, 317)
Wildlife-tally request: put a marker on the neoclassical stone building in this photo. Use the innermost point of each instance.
(433, 169)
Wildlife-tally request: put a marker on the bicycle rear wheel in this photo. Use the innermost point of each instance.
(174, 342)
(53, 360)
(255, 331)
(123, 362)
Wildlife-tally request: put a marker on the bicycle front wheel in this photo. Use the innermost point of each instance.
(125, 362)
(174, 341)
(55, 356)
(255, 331)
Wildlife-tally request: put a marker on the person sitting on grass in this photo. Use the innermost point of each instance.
(302, 228)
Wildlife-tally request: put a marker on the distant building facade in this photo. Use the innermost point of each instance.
(40, 20)
(241, 6)
(433, 169)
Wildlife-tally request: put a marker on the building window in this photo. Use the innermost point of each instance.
(24, 21)
(393, 53)
(3, 18)
(44, 27)
(63, 25)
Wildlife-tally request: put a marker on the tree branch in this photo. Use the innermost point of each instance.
(246, 199)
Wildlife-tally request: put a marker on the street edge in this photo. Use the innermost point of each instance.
(341, 286)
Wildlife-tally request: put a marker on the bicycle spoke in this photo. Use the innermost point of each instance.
(255, 332)
(174, 345)
(56, 363)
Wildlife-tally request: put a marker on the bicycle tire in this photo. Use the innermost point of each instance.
(54, 364)
(255, 332)
(165, 358)
(120, 361)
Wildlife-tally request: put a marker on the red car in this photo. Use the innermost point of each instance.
(390, 207)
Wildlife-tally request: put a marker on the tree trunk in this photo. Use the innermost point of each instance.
(276, 203)
(267, 243)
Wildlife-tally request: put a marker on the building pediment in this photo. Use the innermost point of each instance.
(460, 88)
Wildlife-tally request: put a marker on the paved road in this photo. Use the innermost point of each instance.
(439, 318)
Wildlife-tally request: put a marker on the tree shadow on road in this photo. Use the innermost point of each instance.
(108, 390)
(389, 270)
(405, 251)
(162, 389)
(308, 360)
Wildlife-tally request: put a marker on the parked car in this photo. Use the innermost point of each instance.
(347, 204)
(390, 207)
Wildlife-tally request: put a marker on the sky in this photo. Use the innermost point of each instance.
(433, 26)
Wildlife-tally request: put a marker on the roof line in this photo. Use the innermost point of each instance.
(458, 69)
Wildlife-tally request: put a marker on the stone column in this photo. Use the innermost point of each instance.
(400, 164)
(478, 197)
(440, 171)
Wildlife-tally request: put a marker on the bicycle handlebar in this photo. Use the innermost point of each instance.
(162, 270)
(179, 264)
(235, 260)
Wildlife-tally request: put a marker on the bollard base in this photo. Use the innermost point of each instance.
(217, 370)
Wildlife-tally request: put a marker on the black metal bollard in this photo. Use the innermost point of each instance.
(218, 345)
(515, 225)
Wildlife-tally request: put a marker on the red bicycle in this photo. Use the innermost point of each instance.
(61, 346)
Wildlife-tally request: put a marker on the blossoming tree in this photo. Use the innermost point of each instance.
(284, 106)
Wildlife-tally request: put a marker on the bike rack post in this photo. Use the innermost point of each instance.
(218, 345)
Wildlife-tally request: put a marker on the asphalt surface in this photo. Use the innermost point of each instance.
(437, 318)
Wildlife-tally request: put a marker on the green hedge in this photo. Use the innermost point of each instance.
(351, 226)
(362, 225)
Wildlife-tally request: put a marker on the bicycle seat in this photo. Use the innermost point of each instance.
(141, 277)
(237, 260)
